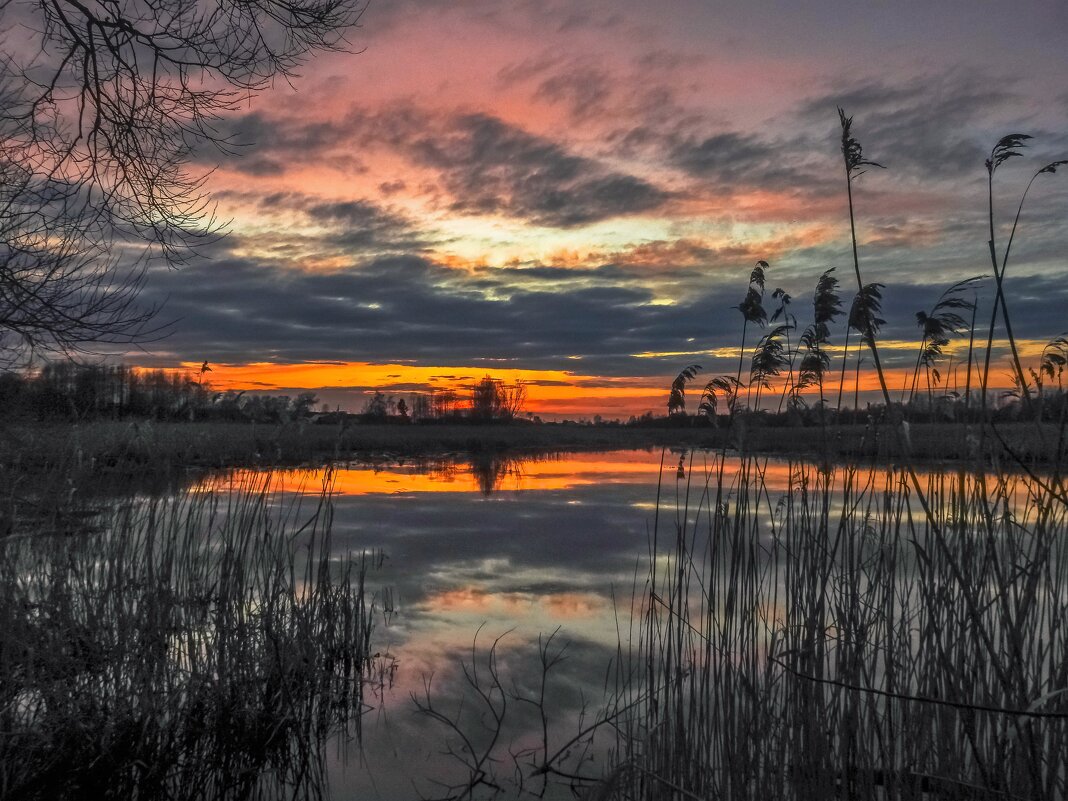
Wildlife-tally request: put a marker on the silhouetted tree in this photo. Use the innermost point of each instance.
(486, 399)
(421, 407)
(492, 399)
(303, 404)
(376, 407)
(444, 402)
(102, 106)
(512, 399)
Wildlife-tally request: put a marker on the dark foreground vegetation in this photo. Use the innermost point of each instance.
(180, 648)
(838, 642)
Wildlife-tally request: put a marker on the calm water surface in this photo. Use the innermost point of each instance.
(521, 549)
(537, 561)
(475, 551)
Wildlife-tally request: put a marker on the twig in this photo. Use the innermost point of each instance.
(918, 698)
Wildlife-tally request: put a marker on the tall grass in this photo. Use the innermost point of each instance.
(205, 646)
(1008, 147)
(823, 643)
(870, 633)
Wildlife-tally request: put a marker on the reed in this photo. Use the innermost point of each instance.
(938, 326)
(823, 642)
(201, 647)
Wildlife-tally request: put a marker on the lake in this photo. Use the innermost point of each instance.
(519, 548)
(541, 550)
(513, 609)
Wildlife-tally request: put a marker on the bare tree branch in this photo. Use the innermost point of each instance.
(103, 105)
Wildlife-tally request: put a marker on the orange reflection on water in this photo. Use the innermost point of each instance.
(485, 475)
(555, 606)
(489, 474)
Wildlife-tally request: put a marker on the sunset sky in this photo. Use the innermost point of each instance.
(574, 194)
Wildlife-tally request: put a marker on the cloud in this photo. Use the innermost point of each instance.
(271, 145)
(737, 160)
(388, 188)
(303, 230)
(488, 167)
(484, 164)
(584, 90)
(922, 127)
(360, 225)
(527, 69)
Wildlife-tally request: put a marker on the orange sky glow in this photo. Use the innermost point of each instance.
(556, 393)
(574, 197)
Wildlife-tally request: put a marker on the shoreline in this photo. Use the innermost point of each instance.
(154, 447)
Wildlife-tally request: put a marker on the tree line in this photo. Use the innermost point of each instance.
(68, 391)
(488, 400)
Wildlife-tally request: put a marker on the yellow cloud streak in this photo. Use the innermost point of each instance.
(268, 377)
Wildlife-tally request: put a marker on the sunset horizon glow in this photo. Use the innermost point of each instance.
(573, 196)
(555, 395)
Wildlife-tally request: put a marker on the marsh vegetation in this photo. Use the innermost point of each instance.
(833, 640)
(203, 645)
(862, 633)
(864, 630)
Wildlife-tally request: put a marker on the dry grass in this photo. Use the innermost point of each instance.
(834, 642)
(178, 649)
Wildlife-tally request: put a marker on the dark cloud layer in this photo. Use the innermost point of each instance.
(354, 228)
(396, 309)
(736, 161)
(408, 309)
(490, 167)
(484, 165)
(362, 225)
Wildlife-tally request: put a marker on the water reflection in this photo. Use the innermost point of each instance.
(527, 547)
(485, 474)
(495, 547)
